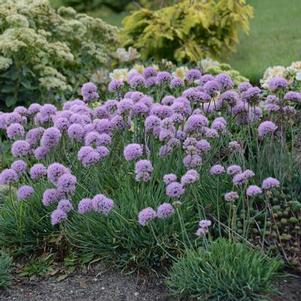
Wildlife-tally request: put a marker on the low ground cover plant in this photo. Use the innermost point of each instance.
(166, 161)
(5, 270)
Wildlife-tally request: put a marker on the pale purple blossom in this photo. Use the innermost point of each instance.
(217, 169)
(24, 192)
(146, 215)
(174, 190)
(57, 216)
(165, 210)
(231, 196)
(65, 205)
(132, 151)
(253, 190)
(38, 171)
(19, 166)
(270, 183)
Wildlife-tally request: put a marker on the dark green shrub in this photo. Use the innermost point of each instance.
(44, 52)
(226, 271)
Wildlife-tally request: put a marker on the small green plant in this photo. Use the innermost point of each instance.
(5, 267)
(188, 30)
(38, 266)
(226, 271)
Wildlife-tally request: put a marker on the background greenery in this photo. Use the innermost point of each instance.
(274, 39)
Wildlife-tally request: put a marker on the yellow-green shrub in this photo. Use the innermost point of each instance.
(44, 52)
(188, 30)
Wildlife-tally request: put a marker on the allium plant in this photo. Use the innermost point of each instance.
(129, 179)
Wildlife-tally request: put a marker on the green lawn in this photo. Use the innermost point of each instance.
(275, 37)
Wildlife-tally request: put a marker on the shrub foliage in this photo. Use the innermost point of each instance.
(188, 30)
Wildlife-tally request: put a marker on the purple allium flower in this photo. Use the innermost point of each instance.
(277, 83)
(163, 77)
(169, 178)
(149, 72)
(229, 97)
(233, 170)
(225, 81)
(219, 124)
(15, 130)
(270, 183)
(249, 174)
(41, 152)
(20, 148)
(152, 122)
(190, 177)
(174, 190)
(243, 177)
(103, 125)
(102, 204)
(146, 215)
(252, 95)
(205, 223)
(176, 83)
(92, 139)
(67, 183)
(217, 169)
(57, 216)
(161, 111)
(211, 133)
(143, 166)
(203, 146)
(165, 210)
(253, 190)
(132, 151)
(195, 123)
(235, 146)
(55, 171)
(20, 110)
(293, 96)
(34, 136)
(24, 192)
(125, 105)
(212, 87)
(61, 123)
(12, 118)
(266, 128)
(102, 151)
(85, 206)
(33, 108)
(168, 100)
(192, 161)
(38, 171)
(137, 81)
(244, 86)
(151, 81)
(8, 176)
(76, 132)
(193, 74)
(89, 92)
(231, 196)
(206, 78)
(19, 166)
(201, 232)
(48, 109)
(115, 85)
(65, 205)
(89, 158)
(51, 137)
(50, 196)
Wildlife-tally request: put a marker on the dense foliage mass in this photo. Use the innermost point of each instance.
(170, 161)
(233, 259)
(188, 30)
(45, 54)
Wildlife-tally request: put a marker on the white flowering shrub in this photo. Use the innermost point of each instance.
(45, 54)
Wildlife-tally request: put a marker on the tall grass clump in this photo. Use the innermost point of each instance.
(226, 271)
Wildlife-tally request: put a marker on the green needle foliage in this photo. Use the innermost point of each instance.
(5, 266)
(226, 271)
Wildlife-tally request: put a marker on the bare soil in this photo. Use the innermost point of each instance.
(99, 283)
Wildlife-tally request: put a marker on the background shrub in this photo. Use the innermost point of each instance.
(44, 52)
(227, 271)
(187, 31)
(5, 266)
